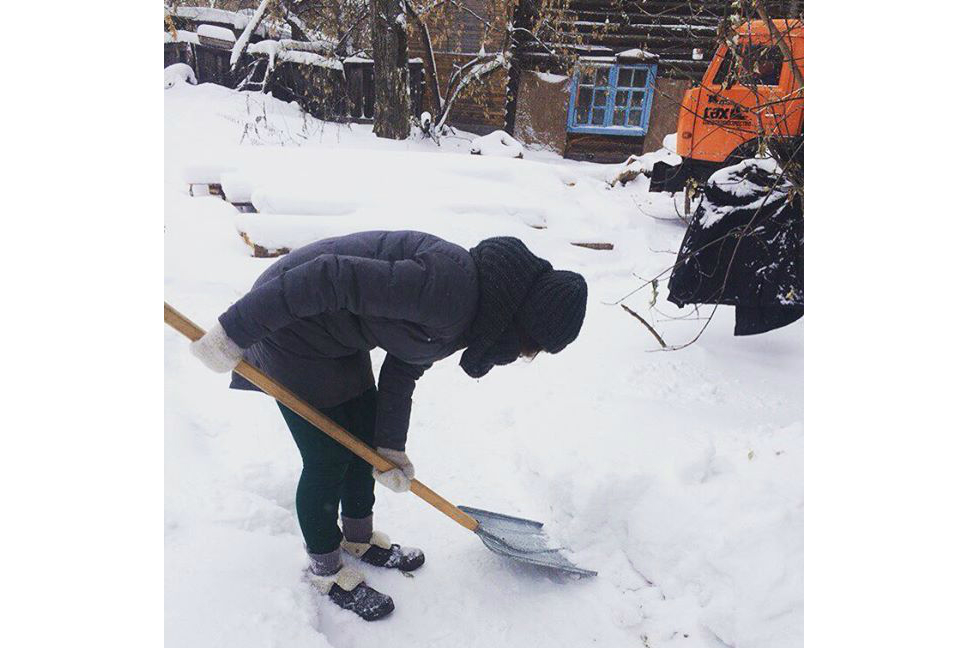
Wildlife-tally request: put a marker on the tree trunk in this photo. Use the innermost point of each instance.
(430, 62)
(391, 110)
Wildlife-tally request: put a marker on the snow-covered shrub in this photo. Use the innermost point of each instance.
(179, 73)
(499, 144)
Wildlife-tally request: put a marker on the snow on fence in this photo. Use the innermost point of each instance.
(325, 87)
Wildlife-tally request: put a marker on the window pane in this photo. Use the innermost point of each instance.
(586, 77)
(639, 80)
(757, 65)
(635, 118)
(621, 98)
(618, 118)
(601, 97)
(767, 66)
(598, 116)
(583, 104)
(601, 77)
(725, 68)
(637, 99)
(624, 78)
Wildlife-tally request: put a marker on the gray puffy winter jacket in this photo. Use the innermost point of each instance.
(312, 318)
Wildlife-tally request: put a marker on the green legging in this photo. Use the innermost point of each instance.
(331, 474)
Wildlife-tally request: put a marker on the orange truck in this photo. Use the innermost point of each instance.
(749, 93)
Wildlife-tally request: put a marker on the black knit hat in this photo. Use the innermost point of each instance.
(554, 309)
(514, 283)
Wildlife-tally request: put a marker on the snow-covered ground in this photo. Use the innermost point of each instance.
(677, 475)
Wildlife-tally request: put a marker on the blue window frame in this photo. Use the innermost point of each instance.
(611, 99)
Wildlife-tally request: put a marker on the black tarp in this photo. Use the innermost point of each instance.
(744, 248)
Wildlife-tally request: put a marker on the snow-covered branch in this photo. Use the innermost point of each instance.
(243, 40)
(476, 73)
(316, 53)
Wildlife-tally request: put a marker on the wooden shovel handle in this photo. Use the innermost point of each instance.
(193, 332)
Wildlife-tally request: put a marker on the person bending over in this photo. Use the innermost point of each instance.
(310, 322)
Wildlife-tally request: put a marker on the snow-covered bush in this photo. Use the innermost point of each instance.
(499, 144)
(179, 73)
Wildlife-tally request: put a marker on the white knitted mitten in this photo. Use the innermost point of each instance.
(396, 479)
(217, 350)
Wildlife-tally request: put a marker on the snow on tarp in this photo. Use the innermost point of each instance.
(737, 180)
(695, 526)
(744, 248)
(744, 180)
(499, 144)
(179, 73)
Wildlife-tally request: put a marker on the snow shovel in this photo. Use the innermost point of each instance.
(516, 538)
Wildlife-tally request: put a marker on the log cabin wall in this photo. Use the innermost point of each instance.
(683, 34)
(664, 117)
(542, 104)
(605, 149)
(481, 107)
(458, 34)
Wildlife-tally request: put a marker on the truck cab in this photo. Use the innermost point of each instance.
(749, 93)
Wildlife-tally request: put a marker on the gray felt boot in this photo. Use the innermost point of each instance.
(375, 548)
(345, 587)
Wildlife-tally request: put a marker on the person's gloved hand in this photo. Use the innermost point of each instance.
(397, 479)
(217, 350)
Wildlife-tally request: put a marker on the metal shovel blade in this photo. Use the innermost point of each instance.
(522, 540)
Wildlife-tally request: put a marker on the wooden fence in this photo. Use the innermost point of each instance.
(324, 92)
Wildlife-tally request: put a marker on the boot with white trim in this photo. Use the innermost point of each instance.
(379, 551)
(345, 587)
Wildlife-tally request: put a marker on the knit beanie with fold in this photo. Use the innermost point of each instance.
(517, 286)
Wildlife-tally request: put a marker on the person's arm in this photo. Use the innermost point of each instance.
(328, 283)
(397, 382)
